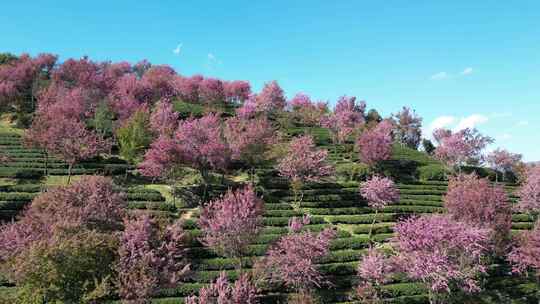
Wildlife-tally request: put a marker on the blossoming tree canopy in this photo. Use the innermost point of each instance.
(442, 252)
(231, 222)
(375, 145)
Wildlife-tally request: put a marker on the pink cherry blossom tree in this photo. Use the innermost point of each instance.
(529, 192)
(475, 201)
(374, 270)
(231, 222)
(164, 120)
(503, 161)
(375, 145)
(249, 139)
(526, 255)
(457, 149)
(237, 91)
(242, 291)
(304, 163)
(292, 260)
(347, 118)
(379, 192)
(66, 237)
(408, 127)
(271, 98)
(198, 143)
(211, 91)
(22, 79)
(149, 260)
(442, 253)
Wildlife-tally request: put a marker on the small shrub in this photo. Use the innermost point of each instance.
(433, 172)
(353, 171)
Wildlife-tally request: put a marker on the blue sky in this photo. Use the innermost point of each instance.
(457, 63)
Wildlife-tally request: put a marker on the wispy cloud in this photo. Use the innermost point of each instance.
(212, 61)
(439, 76)
(522, 123)
(471, 121)
(504, 137)
(455, 123)
(467, 71)
(178, 49)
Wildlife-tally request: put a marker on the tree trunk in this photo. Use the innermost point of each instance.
(69, 173)
(371, 227)
(46, 163)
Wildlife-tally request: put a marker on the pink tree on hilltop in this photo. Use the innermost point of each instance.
(442, 253)
(197, 143)
(224, 292)
(237, 91)
(187, 88)
(347, 118)
(164, 120)
(129, 95)
(149, 259)
(249, 139)
(408, 127)
(306, 111)
(159, 81)
(211, 91)
(456, 149)
(475, 201)
(248, 109)
(292, 260)
(502, 160)
(375, 145)
(379, 192)
(22, 79)
(271, 98)
(231, 222)
(529, 192)
(304, 163)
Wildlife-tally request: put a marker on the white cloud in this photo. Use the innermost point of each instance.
(441, 122)
(522, 123)
(471, 121)
(500, 114)
(211, 57)
(504, 137)
(467, 71)
(212, 61)
(439, 76)
(177, 50)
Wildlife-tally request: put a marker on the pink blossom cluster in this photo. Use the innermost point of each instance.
(460, 147)
(476, 202)
(249, 139)
(231, 221)
(90, 203)
(22, 76)
(503, 160)
(304, 162)
(149, 261)
(408, 127)
(379, 192)
(242, 291)
(526, 255)
(196, 142)
(347, 118)
(375, 145)
(164, 120)
(292, 260)
(442, 252)
(529, 192)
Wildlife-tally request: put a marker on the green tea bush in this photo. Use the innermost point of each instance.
(433, 172)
